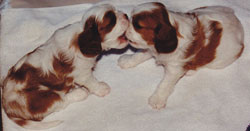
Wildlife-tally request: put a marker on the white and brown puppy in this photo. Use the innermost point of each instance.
(44, 81)
(210, 37)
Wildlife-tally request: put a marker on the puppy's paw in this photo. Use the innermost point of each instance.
(157, 102)
(77, 95)
(102, 90)
(126, 61)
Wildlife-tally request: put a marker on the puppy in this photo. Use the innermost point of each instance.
(44, 81)
(207, 37)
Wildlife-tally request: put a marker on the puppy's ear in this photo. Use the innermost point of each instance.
(165, 34)
(165, 39)
(108, 22)
(89, 41)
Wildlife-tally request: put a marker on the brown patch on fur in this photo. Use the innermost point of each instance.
(39, 100)
(15, 105)
(199, 40)
(19, 76)
(62, 65)
(89, 41)
(21, 122)
(155, 28)
(17, 119)
(207, 53)
(145, 23)
(107, 24)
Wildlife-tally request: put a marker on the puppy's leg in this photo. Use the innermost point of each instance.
(94, 86)
(98, 88)
(132, 60)
(75, 95)
(165, 88)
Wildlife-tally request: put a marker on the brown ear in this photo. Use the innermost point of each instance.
(165, 34)
(109, 21)
(89, 41)
(165, 39)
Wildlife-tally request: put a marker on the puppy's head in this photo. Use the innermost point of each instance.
(103, 28)
(150, 28)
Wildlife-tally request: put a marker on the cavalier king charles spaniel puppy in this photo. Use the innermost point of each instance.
(206, 37)
(60, 71)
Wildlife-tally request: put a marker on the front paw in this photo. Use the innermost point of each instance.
(102, 90)
(77, 95)
(157, 102)
(126, 61)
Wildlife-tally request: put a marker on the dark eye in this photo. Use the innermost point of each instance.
(136, 24)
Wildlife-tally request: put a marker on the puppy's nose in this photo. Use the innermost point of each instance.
(125, 16)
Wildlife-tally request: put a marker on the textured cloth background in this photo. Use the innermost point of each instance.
(211, 100)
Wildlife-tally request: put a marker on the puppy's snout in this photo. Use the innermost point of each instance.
(124, 20)
(122, 15)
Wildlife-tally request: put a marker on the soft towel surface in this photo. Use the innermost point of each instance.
(211, 100)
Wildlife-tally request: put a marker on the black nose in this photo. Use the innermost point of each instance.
(125, 16)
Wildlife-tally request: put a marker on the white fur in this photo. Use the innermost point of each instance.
(229, 47)
(42, 58)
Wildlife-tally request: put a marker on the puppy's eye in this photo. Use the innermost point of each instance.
(137, 25)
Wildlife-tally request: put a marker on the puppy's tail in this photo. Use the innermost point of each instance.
(35, 125)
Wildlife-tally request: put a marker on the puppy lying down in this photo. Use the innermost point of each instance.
(207, 37)
(59, 72)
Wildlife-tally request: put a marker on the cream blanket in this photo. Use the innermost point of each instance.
(211, 100)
